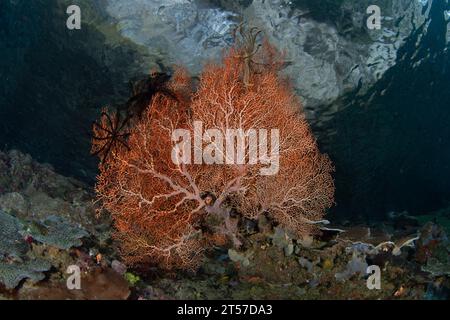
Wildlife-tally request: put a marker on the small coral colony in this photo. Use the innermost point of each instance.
(172, 198)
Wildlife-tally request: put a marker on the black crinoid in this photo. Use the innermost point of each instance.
(110, 133)
(145, 89)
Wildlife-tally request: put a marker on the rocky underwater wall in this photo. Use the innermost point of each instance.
(390, 143)
(378, 100)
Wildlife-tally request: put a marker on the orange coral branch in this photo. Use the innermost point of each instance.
(159, 205)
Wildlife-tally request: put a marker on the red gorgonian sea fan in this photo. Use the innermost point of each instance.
(159, 205)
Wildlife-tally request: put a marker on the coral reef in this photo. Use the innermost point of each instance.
(18, 259)
(12, 244)
(433, 249)
(11, 274)
(334, 270)
(167, 211)
(273, 263)
(56, 231)
(42, 216)
(33, 191)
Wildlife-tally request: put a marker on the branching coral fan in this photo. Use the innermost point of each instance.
(160, 206)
